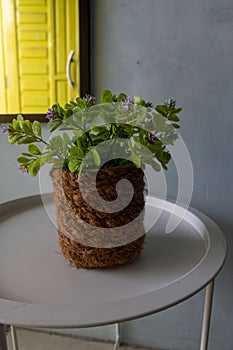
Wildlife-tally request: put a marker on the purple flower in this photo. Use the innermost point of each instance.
(152, 138)
(91, 100)
(127, 103)
(23, 169)
(51, 114)
(171, 102)
(5, 128)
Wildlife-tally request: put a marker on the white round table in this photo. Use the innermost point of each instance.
(38, 287)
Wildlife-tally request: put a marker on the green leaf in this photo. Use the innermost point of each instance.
(133, 156)
(34, 149)
(97, 139)
(10, 128)
(74, 165)
(14, 137)
(58, 163)
(82, 104)
(80, 170)
(56, 143)
(26, 127)
(66, 139)
(107, 97)
(27, 154)
(173, 117)
(48, 157)
(121, 97)
(96, 157)
(177, 110)
(176, 126)
(77, 134)
(26, 140)
(20, 118)
(23, 160)
(161, 109)
(135, 159)
(76, 152)
(98, 130)
(137, 99)
(34, 167)
(29, 125)
(155, 165)
(68, 105)
(15, 125)
(58, 108)
(36, 127)
(54, 124)
(166, 157)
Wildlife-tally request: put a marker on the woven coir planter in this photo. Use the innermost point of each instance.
(89, 235)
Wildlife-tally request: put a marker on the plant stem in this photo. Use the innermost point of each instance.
(41, 140)
(89, 138)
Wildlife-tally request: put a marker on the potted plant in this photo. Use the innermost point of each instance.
(97, 153)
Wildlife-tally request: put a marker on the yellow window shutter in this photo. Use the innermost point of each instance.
(10, 49)
(38, 37)
(3, 78)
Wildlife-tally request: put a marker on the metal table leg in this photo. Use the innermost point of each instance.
(14, 338)
(117, 339)
(3, 343)
(206, 315)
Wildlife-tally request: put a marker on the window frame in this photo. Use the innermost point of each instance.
(84, 66)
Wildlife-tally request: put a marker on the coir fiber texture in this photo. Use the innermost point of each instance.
(97, 224)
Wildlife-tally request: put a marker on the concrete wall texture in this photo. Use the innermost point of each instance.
(179, 49)
(161, 49)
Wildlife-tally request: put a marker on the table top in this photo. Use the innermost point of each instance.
(39, 288)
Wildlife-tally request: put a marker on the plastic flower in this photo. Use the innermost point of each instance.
(23, 169)
(51, 114)
(91, 100)
(5, 128)
(152, 138)
(127, 103)
(171, 102)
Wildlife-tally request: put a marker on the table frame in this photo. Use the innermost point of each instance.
(206, 318)
(209, 293)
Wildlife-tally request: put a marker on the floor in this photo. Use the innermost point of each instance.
(36, 340)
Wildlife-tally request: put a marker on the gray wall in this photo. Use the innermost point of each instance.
(160, 49)
(181, 49)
